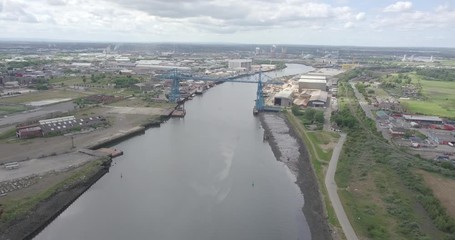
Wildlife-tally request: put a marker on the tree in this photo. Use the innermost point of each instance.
(84, 79)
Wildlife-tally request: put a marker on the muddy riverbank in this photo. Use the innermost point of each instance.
(289, 149)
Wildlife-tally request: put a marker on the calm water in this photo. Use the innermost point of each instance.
(207, 176)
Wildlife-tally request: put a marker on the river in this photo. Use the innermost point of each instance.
(207, 176)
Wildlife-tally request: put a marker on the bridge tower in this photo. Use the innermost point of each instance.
(259, 106)
(174, 95)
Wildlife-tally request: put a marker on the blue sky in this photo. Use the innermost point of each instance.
(314, 22)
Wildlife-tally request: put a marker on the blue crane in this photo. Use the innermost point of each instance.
(176, 77)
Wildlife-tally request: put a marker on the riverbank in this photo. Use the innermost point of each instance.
(23, 215)
(276, 126)
(26, 212)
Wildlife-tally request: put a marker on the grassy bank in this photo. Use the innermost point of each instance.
(381, 194)
(319, 159)
(16, 207)
(9, 109)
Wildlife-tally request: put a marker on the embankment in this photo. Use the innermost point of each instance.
(275, 125)
(123, 135)
(47, 210)
(28, 226)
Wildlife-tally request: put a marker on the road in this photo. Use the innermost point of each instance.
(367, 110)
(332, 189)
(363, 103)
(45, 165)
(36, 113)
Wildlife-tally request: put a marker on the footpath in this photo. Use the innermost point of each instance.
(332, 189)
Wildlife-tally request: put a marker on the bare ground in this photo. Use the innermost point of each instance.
(121, 119)
(443, 188)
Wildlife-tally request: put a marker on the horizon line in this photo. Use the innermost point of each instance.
(28, 40)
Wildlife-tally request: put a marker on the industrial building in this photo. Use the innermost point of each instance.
(312, 98)
(240, 64)
(283, 98)
(29, 132)
(58, 126)
(318, 99)
(423, 119)
(312, 82)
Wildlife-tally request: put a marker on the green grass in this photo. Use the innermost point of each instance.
(316, 163)
(69, 80)
(322, 138)
(9, 109)
(439, 98)
(9, 133)
(42, 95)
(16, 208)
(427, 108)
(381, 196)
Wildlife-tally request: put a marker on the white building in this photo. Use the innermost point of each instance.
(243, 64)
(283, 98)
(312, 82)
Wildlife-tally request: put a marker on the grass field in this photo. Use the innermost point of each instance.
(443, 188)
(8, 109)
(42, 95)
(439, 98)
(324, 143)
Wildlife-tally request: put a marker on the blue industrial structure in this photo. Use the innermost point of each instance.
(259, 106)
(176, 77)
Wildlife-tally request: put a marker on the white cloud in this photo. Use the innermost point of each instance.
(218, 20)
(349, 25)
(360, 16)
(398, 7)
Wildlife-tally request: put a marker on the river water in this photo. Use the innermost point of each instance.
(207, 176)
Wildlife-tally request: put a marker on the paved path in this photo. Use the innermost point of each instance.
(363, 103)
(332, 189)
(36, 113)
(45, 165)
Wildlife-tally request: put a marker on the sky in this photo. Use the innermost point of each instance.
(418, 23)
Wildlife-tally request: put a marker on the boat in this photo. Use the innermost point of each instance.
(199, 90)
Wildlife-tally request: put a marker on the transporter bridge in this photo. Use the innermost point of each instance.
(176, 76)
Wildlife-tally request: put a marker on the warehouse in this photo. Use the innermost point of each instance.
(312, 82)
(318, 99)
(29, 132)
(283, 98)
(423, 119)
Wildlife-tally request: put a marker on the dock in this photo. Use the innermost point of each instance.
(111, 152)
(178, 113)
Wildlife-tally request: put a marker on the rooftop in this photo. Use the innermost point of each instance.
(319, 96)
(284, 94)
(315, 77)
(422, 118)
(312, 81)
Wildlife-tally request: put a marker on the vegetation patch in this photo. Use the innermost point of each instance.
(17, 208)
(42, 95)
(309, 116)
(9, 109)
(371, 170)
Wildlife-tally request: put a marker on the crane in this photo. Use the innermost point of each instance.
(176, 77)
